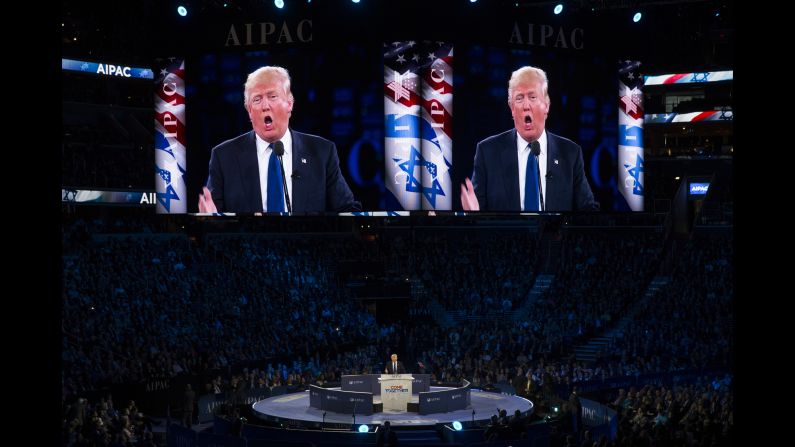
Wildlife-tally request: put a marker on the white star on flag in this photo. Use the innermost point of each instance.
(416, 57)
(401, 59)
(431, 56)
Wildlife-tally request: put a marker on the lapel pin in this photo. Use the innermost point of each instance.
(303, 160)
(556, 161)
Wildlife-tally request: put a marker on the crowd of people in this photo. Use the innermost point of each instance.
(255, 311)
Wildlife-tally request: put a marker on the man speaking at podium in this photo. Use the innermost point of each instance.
(274, 168)
(528, 168)
(394, 367)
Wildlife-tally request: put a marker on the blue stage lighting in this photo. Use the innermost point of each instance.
(558, 9)
(457, 426)
(279, 3)
(363, 428)
(636, 17)
(181, 10)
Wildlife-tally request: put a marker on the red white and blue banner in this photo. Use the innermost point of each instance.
(724, 114)
(690, 78)
(437, 140)
(170, 150)
(630, 134)
(418, 98)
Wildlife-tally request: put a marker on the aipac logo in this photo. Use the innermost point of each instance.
(699, 188)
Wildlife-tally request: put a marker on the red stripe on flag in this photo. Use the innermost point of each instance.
(674, 78)
(174, 126)
(443, 118)
(704, 115)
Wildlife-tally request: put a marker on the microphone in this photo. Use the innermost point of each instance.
(278, 149)
(535, 148)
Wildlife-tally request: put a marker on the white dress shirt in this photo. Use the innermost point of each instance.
(523, 149)
(263, 157)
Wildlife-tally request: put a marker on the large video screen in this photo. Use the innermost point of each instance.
(489, 110)
(343, 94)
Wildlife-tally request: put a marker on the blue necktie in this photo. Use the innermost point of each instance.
(275, 185)
(531, 183)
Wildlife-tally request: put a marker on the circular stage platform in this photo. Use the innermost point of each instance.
(294, 408)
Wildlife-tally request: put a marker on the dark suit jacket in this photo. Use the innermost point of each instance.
(496, 175)
(318, 184)
(400, 368)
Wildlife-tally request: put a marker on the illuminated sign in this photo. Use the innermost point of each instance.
(107, 69)
(699, 189)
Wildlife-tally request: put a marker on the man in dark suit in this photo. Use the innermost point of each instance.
(246, 174)
(394, 367)
(528, 168)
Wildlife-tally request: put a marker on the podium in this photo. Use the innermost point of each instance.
(395, 391)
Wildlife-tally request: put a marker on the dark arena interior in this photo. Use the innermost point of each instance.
(549, 321)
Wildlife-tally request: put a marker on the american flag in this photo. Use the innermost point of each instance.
(170, 151)
(418, 97)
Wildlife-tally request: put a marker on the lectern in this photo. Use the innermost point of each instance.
(395, 391)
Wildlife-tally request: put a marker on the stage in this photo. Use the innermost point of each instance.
(294, 409)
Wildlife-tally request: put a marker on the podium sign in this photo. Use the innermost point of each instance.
(395, 391)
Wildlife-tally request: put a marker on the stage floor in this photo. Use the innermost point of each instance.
(295, 407)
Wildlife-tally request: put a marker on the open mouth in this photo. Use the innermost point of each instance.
(528, 121)
(268, 122)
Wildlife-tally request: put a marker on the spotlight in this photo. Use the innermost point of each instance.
(555, 409)
(181, 10)
(356, 1)
(558, 9)
(636, 17)
(279, 3)
(457, 426)
(363, 428)
(472, 1)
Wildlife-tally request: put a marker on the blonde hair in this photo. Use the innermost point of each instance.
(267, 74)
(527, 74)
